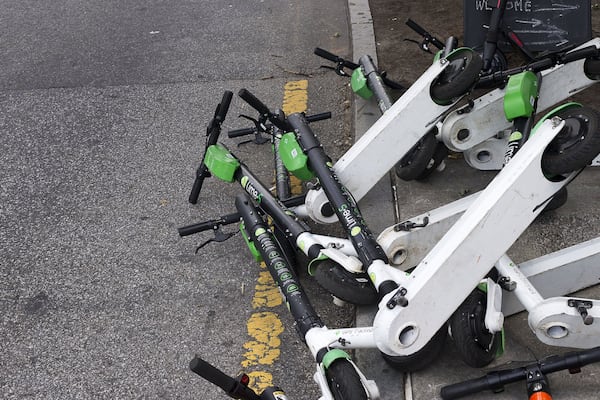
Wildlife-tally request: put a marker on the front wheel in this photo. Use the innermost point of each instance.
(458, 77)
(476, 345)
(344, 381)
(576, 145)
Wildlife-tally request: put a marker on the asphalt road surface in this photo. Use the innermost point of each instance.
(103, 108)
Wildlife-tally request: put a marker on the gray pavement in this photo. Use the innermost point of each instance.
(575, 222)
(103, 110)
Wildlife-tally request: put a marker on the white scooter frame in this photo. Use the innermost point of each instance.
(478, 130)
(458, 262)
(414, 114)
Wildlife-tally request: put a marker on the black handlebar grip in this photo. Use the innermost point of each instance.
(224, 106)
(241, 132)
(196, 228)
(212, 374)
(589, 356)
(318, 117)
(210, 224)
(326, 55)
(201, 173)
(589, 51)
(416, 27)
(572, 360)
(466, 388)
(254, 102)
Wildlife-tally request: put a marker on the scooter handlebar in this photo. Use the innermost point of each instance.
(254, 102)
(223, 106)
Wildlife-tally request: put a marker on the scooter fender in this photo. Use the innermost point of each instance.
(469, 250)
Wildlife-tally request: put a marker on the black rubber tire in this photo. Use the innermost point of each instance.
(576, 145)
(344, 382)
(439, 155)
(475, 344)
(355, 288)
(591, 68)
(458, 78)
(422, 358)
(558, 200)
(415, 162)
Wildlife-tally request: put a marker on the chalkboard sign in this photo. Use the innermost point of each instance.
(543, 25)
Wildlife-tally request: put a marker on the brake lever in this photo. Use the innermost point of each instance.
(260, 127)
(424, 45)
(338, 69)
(220, 237)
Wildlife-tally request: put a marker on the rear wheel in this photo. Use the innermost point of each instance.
(576, 145)
(415, 162)
(440, 154)
(591, 68)
(458, 77)
(422, 358)
(355, 288)
(344, 381)
(476, 345)
(558, 200)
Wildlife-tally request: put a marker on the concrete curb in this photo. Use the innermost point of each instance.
(377, 206)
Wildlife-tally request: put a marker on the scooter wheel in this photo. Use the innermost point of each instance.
(591, 68)
(344, 382)
(441, 151)
(415, 162)
(576, 145)
(476, 345)
(355, 288)
(558, 200)
(422, 358)
(458, 77)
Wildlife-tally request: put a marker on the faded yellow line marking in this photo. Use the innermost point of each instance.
(295, 96)
(266, 293)
(265, 327)
(295, 99)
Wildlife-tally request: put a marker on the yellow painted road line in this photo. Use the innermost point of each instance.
(295, 99)
(264, 326)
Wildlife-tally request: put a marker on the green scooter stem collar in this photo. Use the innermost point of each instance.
(359, 85)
